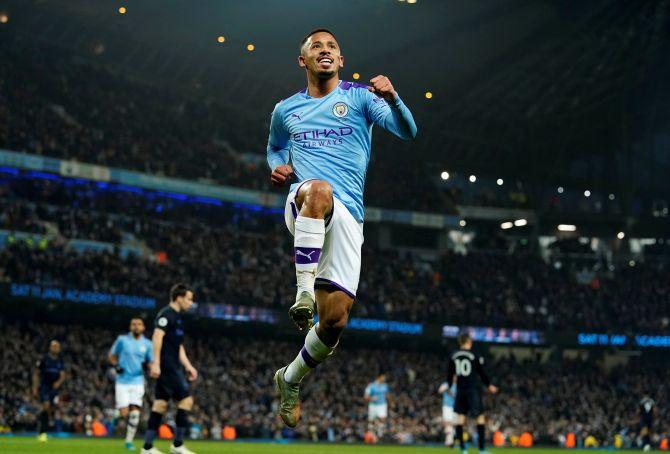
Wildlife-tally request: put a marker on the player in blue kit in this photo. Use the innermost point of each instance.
(448, 415)
(320, 138)
(377, 394)
(129, 354)
(48, 378)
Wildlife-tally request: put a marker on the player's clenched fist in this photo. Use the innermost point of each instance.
(281, 174)
(381, 86)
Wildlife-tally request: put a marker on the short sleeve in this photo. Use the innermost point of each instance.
(162, 322)
(117, 347)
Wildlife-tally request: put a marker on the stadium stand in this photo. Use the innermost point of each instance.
(549, 399)
(216, 247)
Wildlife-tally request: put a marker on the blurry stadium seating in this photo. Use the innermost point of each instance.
(235, 389)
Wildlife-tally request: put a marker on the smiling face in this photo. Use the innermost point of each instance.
(320, 56)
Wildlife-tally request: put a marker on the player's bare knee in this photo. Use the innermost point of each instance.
(160, 406)
(317, 199)
(336, 320)
(186, 404)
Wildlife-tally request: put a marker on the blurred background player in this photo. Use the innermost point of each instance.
(48, 377)
(170, 360)
(468, 369)
(646, 409)
(448, 392)
(322, 137)
(377, 396)
(129, 354)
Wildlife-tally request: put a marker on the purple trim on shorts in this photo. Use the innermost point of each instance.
(301, 183)
(311, 362)
(305, 255)
(335, 284)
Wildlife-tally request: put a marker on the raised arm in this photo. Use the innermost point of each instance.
(386, 109)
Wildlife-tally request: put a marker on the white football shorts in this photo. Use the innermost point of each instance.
(377, 411)
(448, 415)
(340, 261)
(127, 395)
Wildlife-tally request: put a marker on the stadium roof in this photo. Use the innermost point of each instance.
(552, 91)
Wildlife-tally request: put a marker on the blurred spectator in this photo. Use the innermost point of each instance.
(548, 400)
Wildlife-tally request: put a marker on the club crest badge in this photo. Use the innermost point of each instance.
(340, 109)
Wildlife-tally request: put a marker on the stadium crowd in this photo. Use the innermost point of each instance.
(46, 108)
(234, 255)
(235, 389)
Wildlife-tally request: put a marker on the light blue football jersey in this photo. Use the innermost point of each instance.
(377, 391)
(447, 400)
(329, 138)
(132, 353)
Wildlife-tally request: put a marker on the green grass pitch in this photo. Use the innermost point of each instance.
(11, 445)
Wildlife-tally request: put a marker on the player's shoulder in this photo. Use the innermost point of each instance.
(353, 88)
(164, 316)
(283, 104)
(458, 354)
(165, 310)
(357, 93)
(119, 341)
